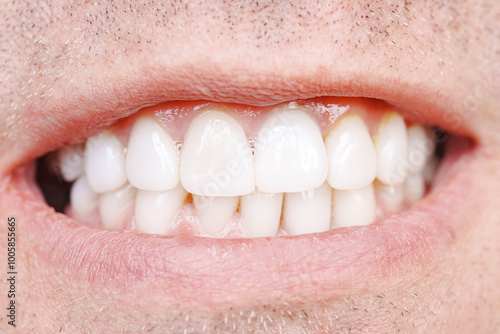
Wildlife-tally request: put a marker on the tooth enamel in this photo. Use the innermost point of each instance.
(83, 199)
(155, 211)
(420, 147)
(414, 187)
(214, 213)
(390, 197)
(308, 211)
(216, 159)
(104, 162)
(290, 155)
(391, 145)
(152, 161)
(113, 206)
(352, 159)
(353, 207)
(261, 213)
(71, 162)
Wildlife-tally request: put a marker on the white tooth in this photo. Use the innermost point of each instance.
(214, 213)
(415, 187)
(216, 158)
(420, 147)
(155, 211)
(113, 204)
(391, 145)
(261, 213)
(71, 162)
(152, 161)
(353, 207)
(105, 163)
(308, 211)
(352, 159)
(83, 199)
(290, 155)
(391, 197)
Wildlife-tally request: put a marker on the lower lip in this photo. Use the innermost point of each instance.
(217, 271)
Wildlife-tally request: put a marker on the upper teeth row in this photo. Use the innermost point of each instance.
(288, 155)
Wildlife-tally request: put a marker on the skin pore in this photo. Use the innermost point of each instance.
(62, 62)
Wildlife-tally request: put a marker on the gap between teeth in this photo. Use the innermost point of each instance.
(288, 180)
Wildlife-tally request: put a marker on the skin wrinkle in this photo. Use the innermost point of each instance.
(46, 45)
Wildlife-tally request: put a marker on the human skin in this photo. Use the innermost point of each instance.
(70, 70)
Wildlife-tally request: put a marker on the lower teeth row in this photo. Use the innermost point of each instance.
(289, 182)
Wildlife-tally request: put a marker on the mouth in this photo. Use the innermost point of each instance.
(209, 261)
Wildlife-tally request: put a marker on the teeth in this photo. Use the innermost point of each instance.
(216, 159)
(83, 199)
(291, 182)
(308, 211)
(352, 158)
(214, 213)
(262, 213)
(105, 163)
(353, 207)
(289, 154)
(71, 162)
(152, 161)
(155, 211)
(390, 197)
(113, 206)
(420, 147)
(414, 187)
(391, 145)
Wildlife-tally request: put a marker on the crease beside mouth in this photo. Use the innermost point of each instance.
(233, 171)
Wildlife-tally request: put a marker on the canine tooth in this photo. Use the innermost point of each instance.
(308, 211)
(112, 205)
(155, 211)
(390, 197)
(415, 187)
(104, 162)
(70, 160)
(83, 199)
(262, 213)
(152, 161)
(214, 213)
(353, 207)
(352, 159)
(216, 159)
(420, 147)
(290, 155)
(391, 145)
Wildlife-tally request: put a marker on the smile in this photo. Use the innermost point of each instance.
(247, 192)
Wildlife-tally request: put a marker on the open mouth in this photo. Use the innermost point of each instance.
(235, 171)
